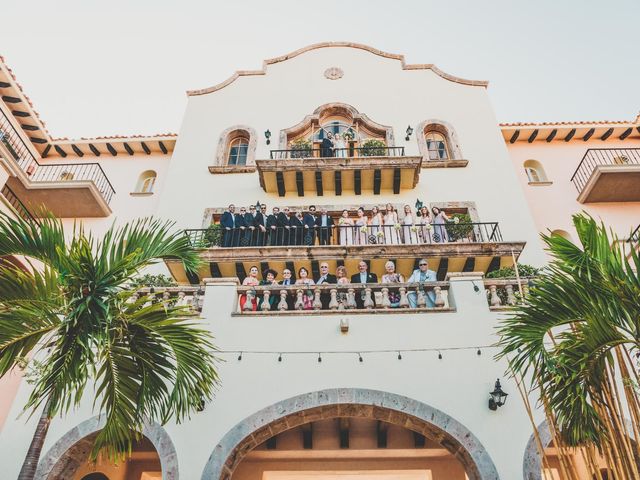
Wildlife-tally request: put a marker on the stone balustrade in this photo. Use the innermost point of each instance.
(190, 295)
(355, 297)
(505, 292)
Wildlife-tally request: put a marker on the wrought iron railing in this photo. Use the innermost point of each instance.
(635, 236)
(261, 299)
(15, 202)
(603, 156)
(349, 152)
(346, 235)
(51, 172)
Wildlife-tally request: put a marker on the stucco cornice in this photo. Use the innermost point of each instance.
(315, 46)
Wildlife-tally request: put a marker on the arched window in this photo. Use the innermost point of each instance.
(146, 182)
(437, 147)
(535, 171)
(95, 476)
(238, 149)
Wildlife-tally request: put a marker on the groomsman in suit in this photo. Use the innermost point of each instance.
(272, 226)
(283, 227)
(324, 227)
(239, 238)
(261, 223)
(363, 277)
(228, 222)
(324, 279)
(309, 221)
(250, 233)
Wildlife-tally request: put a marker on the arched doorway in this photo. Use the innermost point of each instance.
(340, 406)
(153, 457)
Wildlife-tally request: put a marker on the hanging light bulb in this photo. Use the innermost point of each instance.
(280, 357)
(479, 352)
(399, 356)
(240, 357)
(439, 356)
(319, 358)
(360, 359)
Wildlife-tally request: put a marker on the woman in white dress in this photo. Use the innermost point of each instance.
(409, 229)
(439, 232)
(424, 232)
(361, 233)
(339, 146)
(374, 225)
(345, 225)
(391, 230)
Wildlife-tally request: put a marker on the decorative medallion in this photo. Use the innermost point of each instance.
(333, 73)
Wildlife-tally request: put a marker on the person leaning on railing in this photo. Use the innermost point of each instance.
(252, 281)
(423, 274)
(268, 279)
(392, 277)
(307, 294)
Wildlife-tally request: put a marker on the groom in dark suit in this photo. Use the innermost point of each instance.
(326, 147)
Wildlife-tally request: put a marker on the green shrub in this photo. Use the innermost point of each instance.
(509, 272)
(462, 230)
(303, 148)
(212, 236)
(373, 148)
(149, 280)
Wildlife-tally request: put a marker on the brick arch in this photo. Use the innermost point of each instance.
(73, 448)
(446, 129)
(350, 402)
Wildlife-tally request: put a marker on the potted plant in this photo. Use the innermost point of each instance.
(212, 236)
(460, 228)
(301, 148)
(373, 148)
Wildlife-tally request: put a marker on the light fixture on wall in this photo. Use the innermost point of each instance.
(498, 397)
(267, 135)
(409, 132)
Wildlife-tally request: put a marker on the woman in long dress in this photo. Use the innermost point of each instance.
(307, 294)
(339, 146)
(424, 231)
(438, 221)
(391, 226)
(251, 280)
(361, 234)
(392, 277)
(345, 225)
(374, 225)
(409, 229)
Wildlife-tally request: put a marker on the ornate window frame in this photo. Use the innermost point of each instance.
(450, 135)
(222, 152)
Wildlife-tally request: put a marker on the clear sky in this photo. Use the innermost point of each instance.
(114, 66)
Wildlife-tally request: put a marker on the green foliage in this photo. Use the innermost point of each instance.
(587, 298)
(213, 235)
(463, 230)
(76, 314)
(303, 148)
(373, 147)
(149, 280)
(509, 272)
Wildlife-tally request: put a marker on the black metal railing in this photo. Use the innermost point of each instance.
(347, 235)
(635, 236)
(603, 156)
(51, 172)
(349, 152)
(15, 202)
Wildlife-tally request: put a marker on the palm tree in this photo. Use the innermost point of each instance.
(72, 311)
(574, 340)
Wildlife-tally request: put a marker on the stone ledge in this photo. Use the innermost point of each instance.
(444, 163)
(224, 169)
(334, 313)
(540, 184)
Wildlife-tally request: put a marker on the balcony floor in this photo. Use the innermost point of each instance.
(612, 183)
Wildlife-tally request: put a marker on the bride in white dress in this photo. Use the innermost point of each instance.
(339, 146)
(391, 232)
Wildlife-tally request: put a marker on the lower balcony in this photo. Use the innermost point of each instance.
(475, 247)
(608, 175)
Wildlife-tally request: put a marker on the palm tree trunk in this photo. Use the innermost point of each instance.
(30, 465)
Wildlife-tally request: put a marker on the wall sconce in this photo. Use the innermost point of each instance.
(409, 132)
(267, 135)
(344, 325)
(498, 397)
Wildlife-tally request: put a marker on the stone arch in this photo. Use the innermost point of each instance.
(331, 108)
(349, 402)
(535, 171)
(444, 128)
(227, 135)
(72, 449)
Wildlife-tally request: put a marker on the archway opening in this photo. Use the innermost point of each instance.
(74, 464)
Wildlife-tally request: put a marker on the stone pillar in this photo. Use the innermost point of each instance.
(368, 299)
(333, 303)
(421, 301)
(299, 305)
(386, 303)
(283, 305)
(439, 300)
(404, 300)
(511, 298)
(248, 304)
(317, 304)
(266, 305)
(495, 299)
(351, 299)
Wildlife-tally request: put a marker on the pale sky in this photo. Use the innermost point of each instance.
(122, 67)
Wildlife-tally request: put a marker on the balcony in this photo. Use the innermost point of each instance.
(608, 175)
(67, 190)
(463, 247)
(355, 169)
(16, 204)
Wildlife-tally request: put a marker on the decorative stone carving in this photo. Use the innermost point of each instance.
(333, 73)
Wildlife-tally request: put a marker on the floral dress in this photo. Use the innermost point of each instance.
(250, 281)
(307, 294)
(394, 296)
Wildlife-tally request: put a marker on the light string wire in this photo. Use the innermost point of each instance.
(353, 352)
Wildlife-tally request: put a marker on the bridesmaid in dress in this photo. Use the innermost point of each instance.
(424, 233)
(439, 232)
(409, 229)
(360, 235)
(374, 225)
(345, 224)
(391, 233)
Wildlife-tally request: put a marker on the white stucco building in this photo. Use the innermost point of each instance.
(347, 386)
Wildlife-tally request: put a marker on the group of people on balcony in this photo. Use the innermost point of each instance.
(341, 277)
(291, 226)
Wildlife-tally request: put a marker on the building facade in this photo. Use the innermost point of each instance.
(386, 380)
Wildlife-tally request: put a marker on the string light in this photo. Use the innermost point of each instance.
(240, 357)
(360, 359)
(319, 358)
(439, 356)
(280, 357)
(479, 352)
(399, 356)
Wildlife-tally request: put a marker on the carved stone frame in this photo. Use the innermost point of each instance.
(446, 129)
(223, 147)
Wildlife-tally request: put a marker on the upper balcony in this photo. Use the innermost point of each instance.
(354, 169)
(67, 190)
(608, 175)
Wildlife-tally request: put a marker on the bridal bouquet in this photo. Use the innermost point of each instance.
(413, 228)
(380, 234)
(342, 221)
(397, 226)
(428, 226)
(456, 220)
(363, 229)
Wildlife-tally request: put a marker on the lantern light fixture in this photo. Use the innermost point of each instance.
(409, 132)
(498, 396)
(267, 135)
